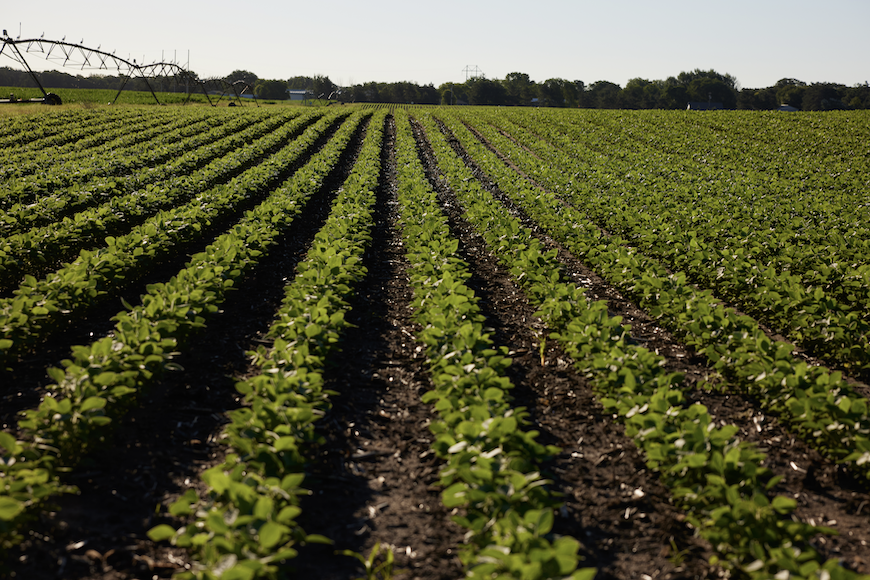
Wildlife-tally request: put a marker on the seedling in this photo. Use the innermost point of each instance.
(377, 566)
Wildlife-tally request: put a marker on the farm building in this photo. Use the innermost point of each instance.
(297, 94)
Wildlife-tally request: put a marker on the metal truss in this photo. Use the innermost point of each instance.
(78, 56)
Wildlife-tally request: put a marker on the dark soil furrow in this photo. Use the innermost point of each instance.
(73, 245)
(800, 352)
(158, 450)
(827, 493)
(95, 322)
(374, 477)
(372, 480)
(613, 504)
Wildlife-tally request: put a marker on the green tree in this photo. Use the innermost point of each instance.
(322, 87)
(429, 95)
(482, 91)
(572, 93)
(551, 94)
(641, 94)
(271, 89)
(367, 93)
(709, 85)
(604, 95)
(757, 99)
(405, 92)
(790, 92)
(653, 94)
(453, 94)
(712, 90)
(786, 82)
(519, 89)
(858, 97)
(686, 78)
(245, 76)
(300, 83)
(673, 95)
(580, 90)
(632, 94)
(823, 97)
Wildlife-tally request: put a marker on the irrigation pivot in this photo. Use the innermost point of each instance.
(72, 55)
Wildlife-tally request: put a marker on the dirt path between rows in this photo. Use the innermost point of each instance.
(157, 451)
(827, 493)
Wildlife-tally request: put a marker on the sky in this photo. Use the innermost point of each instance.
(352, 42)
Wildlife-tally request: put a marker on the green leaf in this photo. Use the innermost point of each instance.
(263, 508)
(200, 539)
(238, 573)
(292, 481)
(105, 379)
(288, 514)
(182, 506)
(56, 374)
(317, 539)
(783, 505)
(10, 508)
(8, 442)
(161, 532)
(455, 495)
(285, 443)
(270, 534)
(215, 522)
(121, 391)
(92, 403)
(216, 479)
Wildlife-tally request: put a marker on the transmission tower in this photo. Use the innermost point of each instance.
(472, 72)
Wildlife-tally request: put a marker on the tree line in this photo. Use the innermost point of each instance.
(516, 89)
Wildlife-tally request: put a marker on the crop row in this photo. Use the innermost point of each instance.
(26, 183)
(803, 215)
(39, 305)
(507, 511)
(132, 199)
(100, 129)
(246, 524)
(40, 162)
(823, 312)
(57, 192)
(491, 454)
(717, 478)
(818, 404)
(586, 192)
(779, 210)
(102, 380)
(28, 134)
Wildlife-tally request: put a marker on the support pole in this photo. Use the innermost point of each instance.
(30, 70)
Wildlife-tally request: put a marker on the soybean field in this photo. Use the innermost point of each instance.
(435, 343)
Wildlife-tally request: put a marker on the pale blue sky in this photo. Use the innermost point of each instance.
(354, 41)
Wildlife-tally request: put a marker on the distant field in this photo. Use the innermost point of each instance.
(106, 96)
